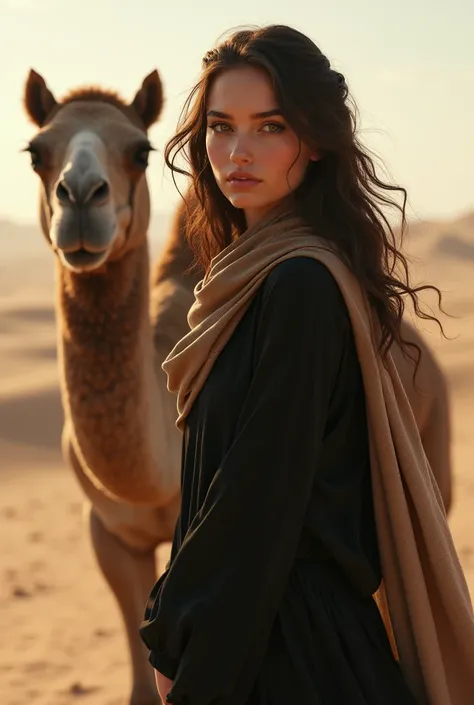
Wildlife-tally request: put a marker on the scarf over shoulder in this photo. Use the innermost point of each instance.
(429, 615)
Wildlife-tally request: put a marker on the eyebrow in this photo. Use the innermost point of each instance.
(255, 116)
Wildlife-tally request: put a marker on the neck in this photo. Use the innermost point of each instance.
(107, 370)
(104, 315)
(253, 216)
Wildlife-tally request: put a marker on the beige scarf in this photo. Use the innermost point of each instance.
(428, 601)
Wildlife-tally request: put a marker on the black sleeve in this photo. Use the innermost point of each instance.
(229, 576)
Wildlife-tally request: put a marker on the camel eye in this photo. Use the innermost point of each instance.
(35, 158)
(141, 156)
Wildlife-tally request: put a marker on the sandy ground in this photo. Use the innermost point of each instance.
(62, 639)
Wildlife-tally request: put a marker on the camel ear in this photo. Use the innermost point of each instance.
(38, 99)
(148, 100)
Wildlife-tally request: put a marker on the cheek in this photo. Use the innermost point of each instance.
(49, 179)
(121, 181)
(288, 158)
(299, 170)
(216, 152)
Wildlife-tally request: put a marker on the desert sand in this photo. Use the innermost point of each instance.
(62, 639)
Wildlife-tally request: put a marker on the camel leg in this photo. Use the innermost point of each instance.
(130, 575)
(124, 539)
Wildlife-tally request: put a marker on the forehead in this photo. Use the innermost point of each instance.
(243, 89)
(106, 122)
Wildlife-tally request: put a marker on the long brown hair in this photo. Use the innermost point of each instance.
(342, 195)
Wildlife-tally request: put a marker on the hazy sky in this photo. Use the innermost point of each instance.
(409, 65)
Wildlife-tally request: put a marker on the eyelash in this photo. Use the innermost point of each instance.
(280, 127)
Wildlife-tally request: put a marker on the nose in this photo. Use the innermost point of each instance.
(92, 189)
(83, 180)
(241, 153)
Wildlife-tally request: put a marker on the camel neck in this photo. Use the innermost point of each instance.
(106, 363)
(94, 306)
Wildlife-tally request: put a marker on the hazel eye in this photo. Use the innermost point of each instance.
(219, 127)
(273, 127)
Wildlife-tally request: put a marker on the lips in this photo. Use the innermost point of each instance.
(241, 178)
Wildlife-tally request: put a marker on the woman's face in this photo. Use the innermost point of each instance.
(256, 158)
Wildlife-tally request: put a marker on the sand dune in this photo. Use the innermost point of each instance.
(62, 639)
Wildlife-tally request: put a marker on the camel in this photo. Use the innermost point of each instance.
(115, 326)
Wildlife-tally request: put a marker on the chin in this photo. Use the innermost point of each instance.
(82, 261)
(244, 200)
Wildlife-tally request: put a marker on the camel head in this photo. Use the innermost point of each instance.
(91, 154)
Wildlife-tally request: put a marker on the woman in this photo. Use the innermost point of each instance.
(296, 500)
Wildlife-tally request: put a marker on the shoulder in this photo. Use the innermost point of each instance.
(306, 277)
(301, 301)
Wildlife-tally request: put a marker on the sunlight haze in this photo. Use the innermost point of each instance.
(409, 65)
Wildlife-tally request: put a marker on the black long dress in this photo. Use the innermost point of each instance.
(268, 596)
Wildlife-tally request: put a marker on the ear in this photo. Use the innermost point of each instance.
(148, 100)
(38, 99)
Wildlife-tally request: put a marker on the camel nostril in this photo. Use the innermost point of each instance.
(94, 192)
(62, 192)
(100, 192)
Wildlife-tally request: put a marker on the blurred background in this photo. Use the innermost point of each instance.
(409, 66)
